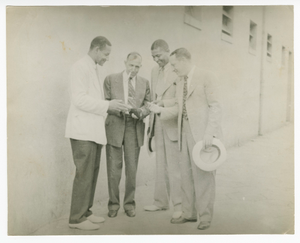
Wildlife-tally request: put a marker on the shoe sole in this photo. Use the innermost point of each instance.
(96, 222)
(203, 228)
(75, 227)
(163, 209)
(188, 221)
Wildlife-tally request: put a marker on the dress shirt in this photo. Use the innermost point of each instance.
(166, 71)
(190, 76)
(125, 84)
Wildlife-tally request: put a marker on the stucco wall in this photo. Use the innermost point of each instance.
(43, 43)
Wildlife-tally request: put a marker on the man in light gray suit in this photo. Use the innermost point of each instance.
(163, 91)
(199, 118)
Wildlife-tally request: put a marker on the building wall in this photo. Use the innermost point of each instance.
(275, 75)
(43, 43)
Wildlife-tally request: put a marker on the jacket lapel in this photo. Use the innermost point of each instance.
(120, 90)
(193, 84)
(99, 81)
(154, 84)
(166, 83)
(139, 91)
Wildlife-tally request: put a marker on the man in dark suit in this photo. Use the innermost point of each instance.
(125, 131)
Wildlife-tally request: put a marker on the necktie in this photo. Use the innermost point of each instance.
(160, 82)
(131, 93)
(185, 91)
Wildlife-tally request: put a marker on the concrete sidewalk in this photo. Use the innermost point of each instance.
(255, 195)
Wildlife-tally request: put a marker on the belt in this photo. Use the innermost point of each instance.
(128, 118)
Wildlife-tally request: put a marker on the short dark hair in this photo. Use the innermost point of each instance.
(99, 41)
(134, 55)
(160, 43)
(181, 52)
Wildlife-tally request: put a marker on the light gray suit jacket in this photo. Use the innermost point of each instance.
(203, 109)
(168, 96)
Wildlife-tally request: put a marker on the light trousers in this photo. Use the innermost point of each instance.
(167, 179)
(198, 186)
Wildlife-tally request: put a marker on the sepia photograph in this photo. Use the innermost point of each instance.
(150, 120)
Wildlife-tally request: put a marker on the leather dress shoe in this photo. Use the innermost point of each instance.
(130, 213)
(112, 213)
(153, 208)
(204, 225)
(176, 214)
(85, 225)
(182, 220)
(95, 219)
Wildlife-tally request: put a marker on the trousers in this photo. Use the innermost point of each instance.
(198, 186)
(167, 181)
(114, 159)
(86, 156)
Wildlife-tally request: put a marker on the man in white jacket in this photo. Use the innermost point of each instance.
(85, 128)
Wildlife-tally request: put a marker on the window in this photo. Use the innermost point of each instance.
(252, 37)
(192, 16)
(283, 56)
(269, 47)
(227, 23)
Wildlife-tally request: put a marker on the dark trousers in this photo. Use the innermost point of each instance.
(86, 156)
(114, 158)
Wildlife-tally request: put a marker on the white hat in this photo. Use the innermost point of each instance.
(211, 158)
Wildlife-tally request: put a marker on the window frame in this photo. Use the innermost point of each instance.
(227, 33)
(191, 20)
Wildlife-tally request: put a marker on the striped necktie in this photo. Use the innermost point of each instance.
(131, 93)
(185, 92)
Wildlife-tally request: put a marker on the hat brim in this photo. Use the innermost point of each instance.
(209, 166)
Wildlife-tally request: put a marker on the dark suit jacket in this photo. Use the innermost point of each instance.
(115, 121)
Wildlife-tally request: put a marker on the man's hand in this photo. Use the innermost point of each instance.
(135, 113)
(118, 106)
(159, 103)
(207, 141)
(155, 108)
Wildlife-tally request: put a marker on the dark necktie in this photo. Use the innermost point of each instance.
(185, 92)
(131, 93)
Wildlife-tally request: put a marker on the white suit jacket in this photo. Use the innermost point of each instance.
(203, 108)
(88, 108)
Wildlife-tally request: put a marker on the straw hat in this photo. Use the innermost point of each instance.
(209, 159)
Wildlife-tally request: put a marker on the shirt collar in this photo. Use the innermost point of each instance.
(166, 68)
(190, 74)
(91, 62)
(126, 76)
